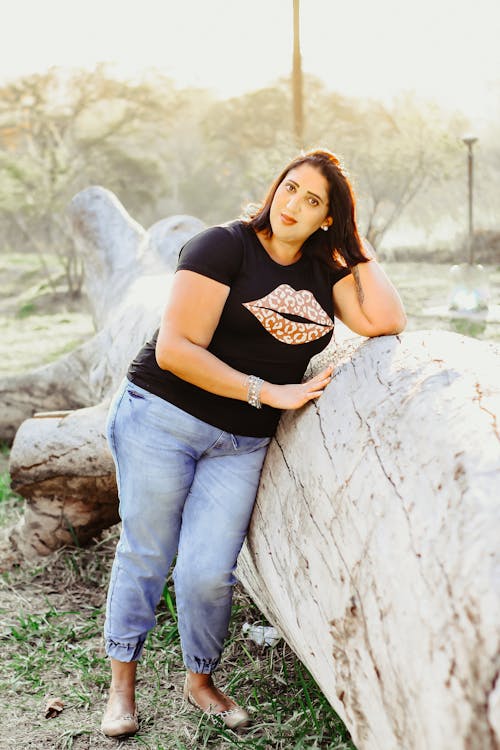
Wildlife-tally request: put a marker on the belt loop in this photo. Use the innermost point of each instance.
(234, 442)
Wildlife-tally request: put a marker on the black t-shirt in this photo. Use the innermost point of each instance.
(274, 320)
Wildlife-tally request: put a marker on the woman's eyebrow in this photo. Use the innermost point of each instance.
(309, 191)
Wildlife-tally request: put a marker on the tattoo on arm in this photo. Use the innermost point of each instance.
(359, 288)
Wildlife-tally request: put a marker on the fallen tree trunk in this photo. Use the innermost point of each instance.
(61, 463)
(62, 466)
(374, 544)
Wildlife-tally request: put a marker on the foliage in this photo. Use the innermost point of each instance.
(60, 135)
(393, 154)
(165, 151)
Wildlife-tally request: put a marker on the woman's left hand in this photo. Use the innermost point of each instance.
(295, 395)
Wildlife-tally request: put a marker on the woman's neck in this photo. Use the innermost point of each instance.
(281, 252)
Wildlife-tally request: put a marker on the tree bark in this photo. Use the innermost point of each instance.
(62, 466)
(374, 543)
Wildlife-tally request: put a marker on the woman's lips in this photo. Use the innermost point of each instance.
(285, 299)
(288, 220)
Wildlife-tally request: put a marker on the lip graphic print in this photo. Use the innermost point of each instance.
(285, 299)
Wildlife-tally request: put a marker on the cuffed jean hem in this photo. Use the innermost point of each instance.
(201, 666)
(124, 651)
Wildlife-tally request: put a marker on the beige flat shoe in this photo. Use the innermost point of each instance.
(125, 726)
(233, 718)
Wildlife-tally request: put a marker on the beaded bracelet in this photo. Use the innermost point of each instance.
(254, 388)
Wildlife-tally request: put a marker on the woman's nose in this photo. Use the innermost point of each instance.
(292, 202)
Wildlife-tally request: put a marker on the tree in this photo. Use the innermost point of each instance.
(392, 153)
(165, 151)
(59, 135)
(246, 139)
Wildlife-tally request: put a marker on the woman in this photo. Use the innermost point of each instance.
(250, 304)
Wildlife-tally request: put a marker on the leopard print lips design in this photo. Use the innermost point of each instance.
(285, 299)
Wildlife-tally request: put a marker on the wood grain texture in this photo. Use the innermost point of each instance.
(374, 544)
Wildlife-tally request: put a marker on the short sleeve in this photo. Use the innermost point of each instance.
(339, 273)
(215, 252)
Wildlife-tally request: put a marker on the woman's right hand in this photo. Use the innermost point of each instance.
(295, 395)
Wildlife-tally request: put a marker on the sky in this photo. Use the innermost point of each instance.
(444, 50)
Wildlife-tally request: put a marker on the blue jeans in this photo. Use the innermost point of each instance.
(185, 487)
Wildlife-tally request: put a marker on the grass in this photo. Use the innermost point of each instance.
(10, 503)
(52, 617)
(426, 285)
(37, 324)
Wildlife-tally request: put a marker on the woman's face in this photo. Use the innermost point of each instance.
(300, 205)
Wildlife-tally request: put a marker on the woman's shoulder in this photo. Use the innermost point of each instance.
(231, 231)
(226, 233)
(216, 251)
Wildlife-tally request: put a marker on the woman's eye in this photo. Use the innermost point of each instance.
(289, 187)
(313, 202)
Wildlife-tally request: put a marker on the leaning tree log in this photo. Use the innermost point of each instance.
(374, 542)
(120, 259)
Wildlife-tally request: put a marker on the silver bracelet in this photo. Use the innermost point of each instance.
(254, 388)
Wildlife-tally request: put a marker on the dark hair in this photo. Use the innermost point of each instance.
(341, 244)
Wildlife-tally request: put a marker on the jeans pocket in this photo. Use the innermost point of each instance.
(137, 391)
(135, 394)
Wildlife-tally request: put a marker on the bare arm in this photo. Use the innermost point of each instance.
(188, 324)
(367, 302)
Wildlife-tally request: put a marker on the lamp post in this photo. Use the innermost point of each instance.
(469, 141)
(470, 288)
(298, 117)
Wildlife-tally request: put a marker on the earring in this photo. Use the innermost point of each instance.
(325, 228)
